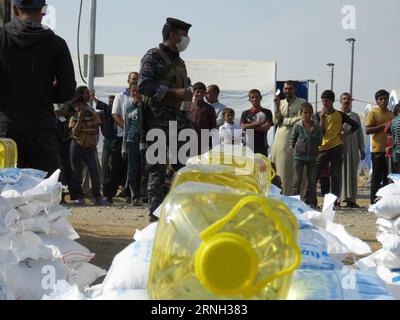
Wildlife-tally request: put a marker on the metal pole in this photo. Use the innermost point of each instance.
(332, 66)
(92, 51)
(352, 40)
(316, 97)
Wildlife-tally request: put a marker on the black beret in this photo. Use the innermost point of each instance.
(178, 24)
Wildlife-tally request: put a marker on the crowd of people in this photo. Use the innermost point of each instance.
(308, 147)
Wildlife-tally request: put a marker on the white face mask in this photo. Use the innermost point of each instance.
(182, 46)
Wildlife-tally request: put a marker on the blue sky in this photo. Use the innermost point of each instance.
(302, 36)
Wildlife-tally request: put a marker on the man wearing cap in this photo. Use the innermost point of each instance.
(33, 53)
(164, 83)
(331, 151)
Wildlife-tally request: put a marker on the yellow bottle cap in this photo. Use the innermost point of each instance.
(226, 264)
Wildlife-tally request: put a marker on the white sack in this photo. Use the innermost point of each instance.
(70, 250)
(130, 268)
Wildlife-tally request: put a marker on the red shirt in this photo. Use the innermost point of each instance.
(202, 116)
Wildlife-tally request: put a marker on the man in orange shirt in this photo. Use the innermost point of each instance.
(375, 126)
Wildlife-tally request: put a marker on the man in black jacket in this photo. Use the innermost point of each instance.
(36, 71)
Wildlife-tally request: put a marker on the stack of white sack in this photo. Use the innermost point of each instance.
(126, 279)
(37, 246)
(324, 245)
(387, 260)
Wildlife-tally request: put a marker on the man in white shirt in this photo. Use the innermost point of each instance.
(212, 94)
(229, 132)
(118, 167)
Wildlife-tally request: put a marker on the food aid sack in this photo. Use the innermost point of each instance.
(130, 268)
(337, 284)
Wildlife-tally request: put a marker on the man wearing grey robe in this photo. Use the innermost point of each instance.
(354, 151)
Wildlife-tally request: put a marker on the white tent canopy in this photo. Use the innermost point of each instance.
(235, 79)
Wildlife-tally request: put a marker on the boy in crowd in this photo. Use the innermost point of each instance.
(108, 129)
(85, 134)
(212, 95)
(306, 139)
(201, 115)
(376, 122)
(131, 143)
(331, 149)
(258, 119)
(229, 132)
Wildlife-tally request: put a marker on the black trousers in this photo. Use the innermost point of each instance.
(67, 172)
(118, 170)
(379, 173)
(157, 171)
(334, 157)
(37, 148)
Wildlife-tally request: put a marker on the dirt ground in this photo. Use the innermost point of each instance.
(108, 230)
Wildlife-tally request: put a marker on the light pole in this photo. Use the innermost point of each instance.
(332, 66)
(92, 51)
(316, 93)
(352, 41)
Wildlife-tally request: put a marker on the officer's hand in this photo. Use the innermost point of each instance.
(124, 155)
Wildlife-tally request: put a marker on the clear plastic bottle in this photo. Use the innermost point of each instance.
(216, 242)
(215, 174)
(8, 153)
(245, 162)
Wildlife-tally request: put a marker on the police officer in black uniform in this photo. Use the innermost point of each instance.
(164, 83)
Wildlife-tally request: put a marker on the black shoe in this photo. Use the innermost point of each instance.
(153, 218)
(352, 205)
(128, 200)
(110, 200)
(136, 202)
(144, 200)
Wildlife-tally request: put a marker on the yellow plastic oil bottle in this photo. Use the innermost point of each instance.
(217, 243)
(243, 160)
(8, 153)
(215, 174)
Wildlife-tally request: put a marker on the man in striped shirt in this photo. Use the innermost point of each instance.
(395, 130)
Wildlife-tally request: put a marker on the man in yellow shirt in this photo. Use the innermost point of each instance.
(375, 126)
(331, 150)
